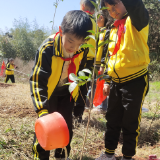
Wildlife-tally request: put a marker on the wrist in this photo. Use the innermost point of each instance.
(42, 113)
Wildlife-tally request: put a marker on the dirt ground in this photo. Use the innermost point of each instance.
(16, 101)
(17, 119)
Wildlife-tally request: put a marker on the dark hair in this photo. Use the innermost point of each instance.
(110, 2)
(108, 19)
(76, 22)
(88, 4)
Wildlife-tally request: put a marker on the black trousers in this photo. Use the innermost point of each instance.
(11, 77)
(124, 113)
(62, 105)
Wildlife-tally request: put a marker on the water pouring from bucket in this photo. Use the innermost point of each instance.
(52, 131)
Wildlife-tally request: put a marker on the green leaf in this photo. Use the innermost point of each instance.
(97, 35)
(80, 73)
(66, 84)
(9, 129)
(50, 21)
(83, 77)
(73, 77)
(98, 15)
(81, 84)
(72, 86)
(105, 42)
(92, 51)
(95, 5)
(103, 8)
(91, 31)
(89, 79)
(87, 45)
(87, 71)
(90, 36)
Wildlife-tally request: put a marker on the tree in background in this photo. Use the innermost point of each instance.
(153, 7)
(22, 40)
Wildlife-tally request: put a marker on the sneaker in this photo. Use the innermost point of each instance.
(145, 109)
(104, 156)
(86, 109)
(98, 111)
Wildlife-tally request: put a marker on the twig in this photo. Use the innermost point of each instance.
(91, 102)
(21, 72)
(20, 153)
(87, 92)
(157, 108)
(56, 4)
(13, 131)
(82, 95)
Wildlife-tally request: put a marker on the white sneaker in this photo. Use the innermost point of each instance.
(103, 156)
(97, 111)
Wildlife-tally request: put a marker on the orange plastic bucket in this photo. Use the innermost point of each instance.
(52, 131)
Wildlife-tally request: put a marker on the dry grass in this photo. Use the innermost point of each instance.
(17, 118)
(23, 71)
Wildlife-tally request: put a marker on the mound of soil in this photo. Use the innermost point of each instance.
(18, 112)
(4, 85)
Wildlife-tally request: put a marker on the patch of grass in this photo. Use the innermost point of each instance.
(154, 92)
(17, 120)
(155, 86)
(150, 115)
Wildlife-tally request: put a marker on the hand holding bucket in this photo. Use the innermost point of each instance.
(52, 131)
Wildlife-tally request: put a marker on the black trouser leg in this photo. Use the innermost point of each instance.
(12, 78)
(6, 79)
(62, 105)
(133, 95)
(65, 107)
(38, 151)
(114, 117)
(124, 112)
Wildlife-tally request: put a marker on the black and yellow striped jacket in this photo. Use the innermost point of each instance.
(9, 69)
(132, 59)
(47, 70)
